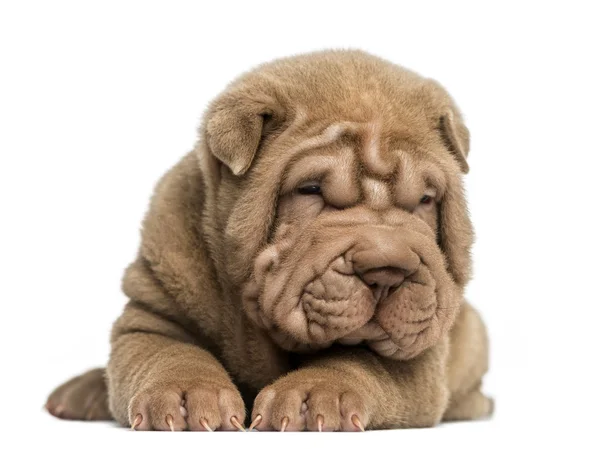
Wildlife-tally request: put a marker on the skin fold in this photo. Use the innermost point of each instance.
(304, 267)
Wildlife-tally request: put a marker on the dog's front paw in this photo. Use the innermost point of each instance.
(299, 402)
(201, 406)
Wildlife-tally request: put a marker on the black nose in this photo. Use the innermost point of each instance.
(382, 280)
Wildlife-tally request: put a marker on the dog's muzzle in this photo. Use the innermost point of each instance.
(354, 278)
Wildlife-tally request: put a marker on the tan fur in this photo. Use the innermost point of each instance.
(244, 289)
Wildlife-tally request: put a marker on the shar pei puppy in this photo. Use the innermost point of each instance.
(306, 261)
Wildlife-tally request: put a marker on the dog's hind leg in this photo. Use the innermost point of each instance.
(472, 405)
(468, 363)
(84, 397)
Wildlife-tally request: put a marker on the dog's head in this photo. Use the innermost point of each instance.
(336, 194)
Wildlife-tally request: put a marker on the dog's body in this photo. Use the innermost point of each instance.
(309, 257)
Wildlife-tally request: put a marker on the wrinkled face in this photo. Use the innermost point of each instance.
(353, 253)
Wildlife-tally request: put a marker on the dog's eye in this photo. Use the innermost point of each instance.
(312, 189)
(426, 199)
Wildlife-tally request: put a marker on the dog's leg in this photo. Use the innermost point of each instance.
(471, 405)
(352, 388)
(84, 397)
(160, 379)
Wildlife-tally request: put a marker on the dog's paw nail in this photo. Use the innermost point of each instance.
(137, 421)
(284, 423)
(234, 421)
(357, 423)
(169, 420)
(255, 422)
(320, 421)
(205, 425)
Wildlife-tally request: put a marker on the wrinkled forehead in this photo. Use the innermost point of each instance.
(365, 162)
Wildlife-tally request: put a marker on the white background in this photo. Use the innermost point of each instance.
(99, 99)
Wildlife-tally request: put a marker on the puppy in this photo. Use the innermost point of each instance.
(306, 261)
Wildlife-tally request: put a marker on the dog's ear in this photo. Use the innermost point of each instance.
(455, 228)
(456, 136)
(455, 231)
(236, 124)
